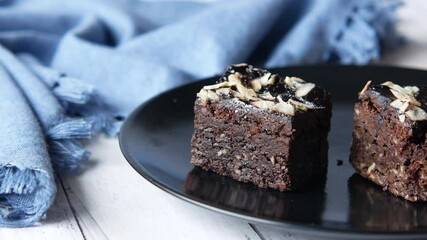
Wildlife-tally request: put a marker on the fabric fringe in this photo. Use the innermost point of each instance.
(73, 90)
(369, 25)
(74, 129)
(67, 154)
(65, 88)
(81, 103)
(13, 180)
(18, 184)
(76, 96)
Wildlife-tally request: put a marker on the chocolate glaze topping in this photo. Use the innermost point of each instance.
(315, 97)
(419, 128)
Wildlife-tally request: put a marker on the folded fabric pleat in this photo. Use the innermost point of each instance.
(56, 125)
(27, 186)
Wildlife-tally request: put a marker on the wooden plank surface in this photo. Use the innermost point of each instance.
(112, 201)
(60, 224)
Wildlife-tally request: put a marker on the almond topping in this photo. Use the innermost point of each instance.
(223, 91)
(237, 94)
(294, 82)
(266, 96)
(235, 78)
(203, 95)
(272, 160)
(371, 168)
(212, 95)
(256, 85)
(263, 104)
(365, 88)
(416, 114)
(304, 89)
(264, 79)
(284, 107)
(219, 85)
(240, 65)
(406, 102)
(247, 93)
(272, 80)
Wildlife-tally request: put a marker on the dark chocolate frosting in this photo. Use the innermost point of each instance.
(419, 128)
(316, 97)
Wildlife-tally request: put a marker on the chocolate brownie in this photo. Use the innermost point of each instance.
(259, 127)
(389, 138)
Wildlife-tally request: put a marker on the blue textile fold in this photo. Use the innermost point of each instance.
(27, 187)
(69, 69)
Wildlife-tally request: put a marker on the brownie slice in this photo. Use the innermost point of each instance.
(259, 127)
(389, 138)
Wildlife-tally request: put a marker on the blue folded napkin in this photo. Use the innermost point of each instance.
(69, 69)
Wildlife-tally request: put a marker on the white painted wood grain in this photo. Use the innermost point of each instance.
(113, 201)
(60, 224)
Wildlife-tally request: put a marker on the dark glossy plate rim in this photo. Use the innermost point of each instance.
(288, 225)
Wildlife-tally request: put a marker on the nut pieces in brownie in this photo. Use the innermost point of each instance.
(261, 89)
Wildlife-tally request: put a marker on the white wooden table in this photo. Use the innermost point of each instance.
(110, 200)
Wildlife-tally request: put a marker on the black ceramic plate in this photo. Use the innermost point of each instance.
(155, 140)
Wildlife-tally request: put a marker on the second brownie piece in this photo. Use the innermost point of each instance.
(258, 127)
(389, 138)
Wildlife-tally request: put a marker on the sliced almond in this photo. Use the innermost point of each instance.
(393, 86)
(413, 90)
(301, 106)
(264, 79)
(247, 93)
(219, 85)
(416, 114)
(212, 95)
(272, 80)
(397, 94)
(404, 106)
(266, 96)
(262, 104)
(408, 92)
(396, 103)
(203, 95)
(239, 65)
(294, 82)
(235, 78)
(304, 89)
(272, 160)
(411, 100)
(250, 94)
(371, 168)
(242, 89)
(284, 107)
(237, 94)
(365, 88)
(223, 91)
(280, 99)
(256, 84)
